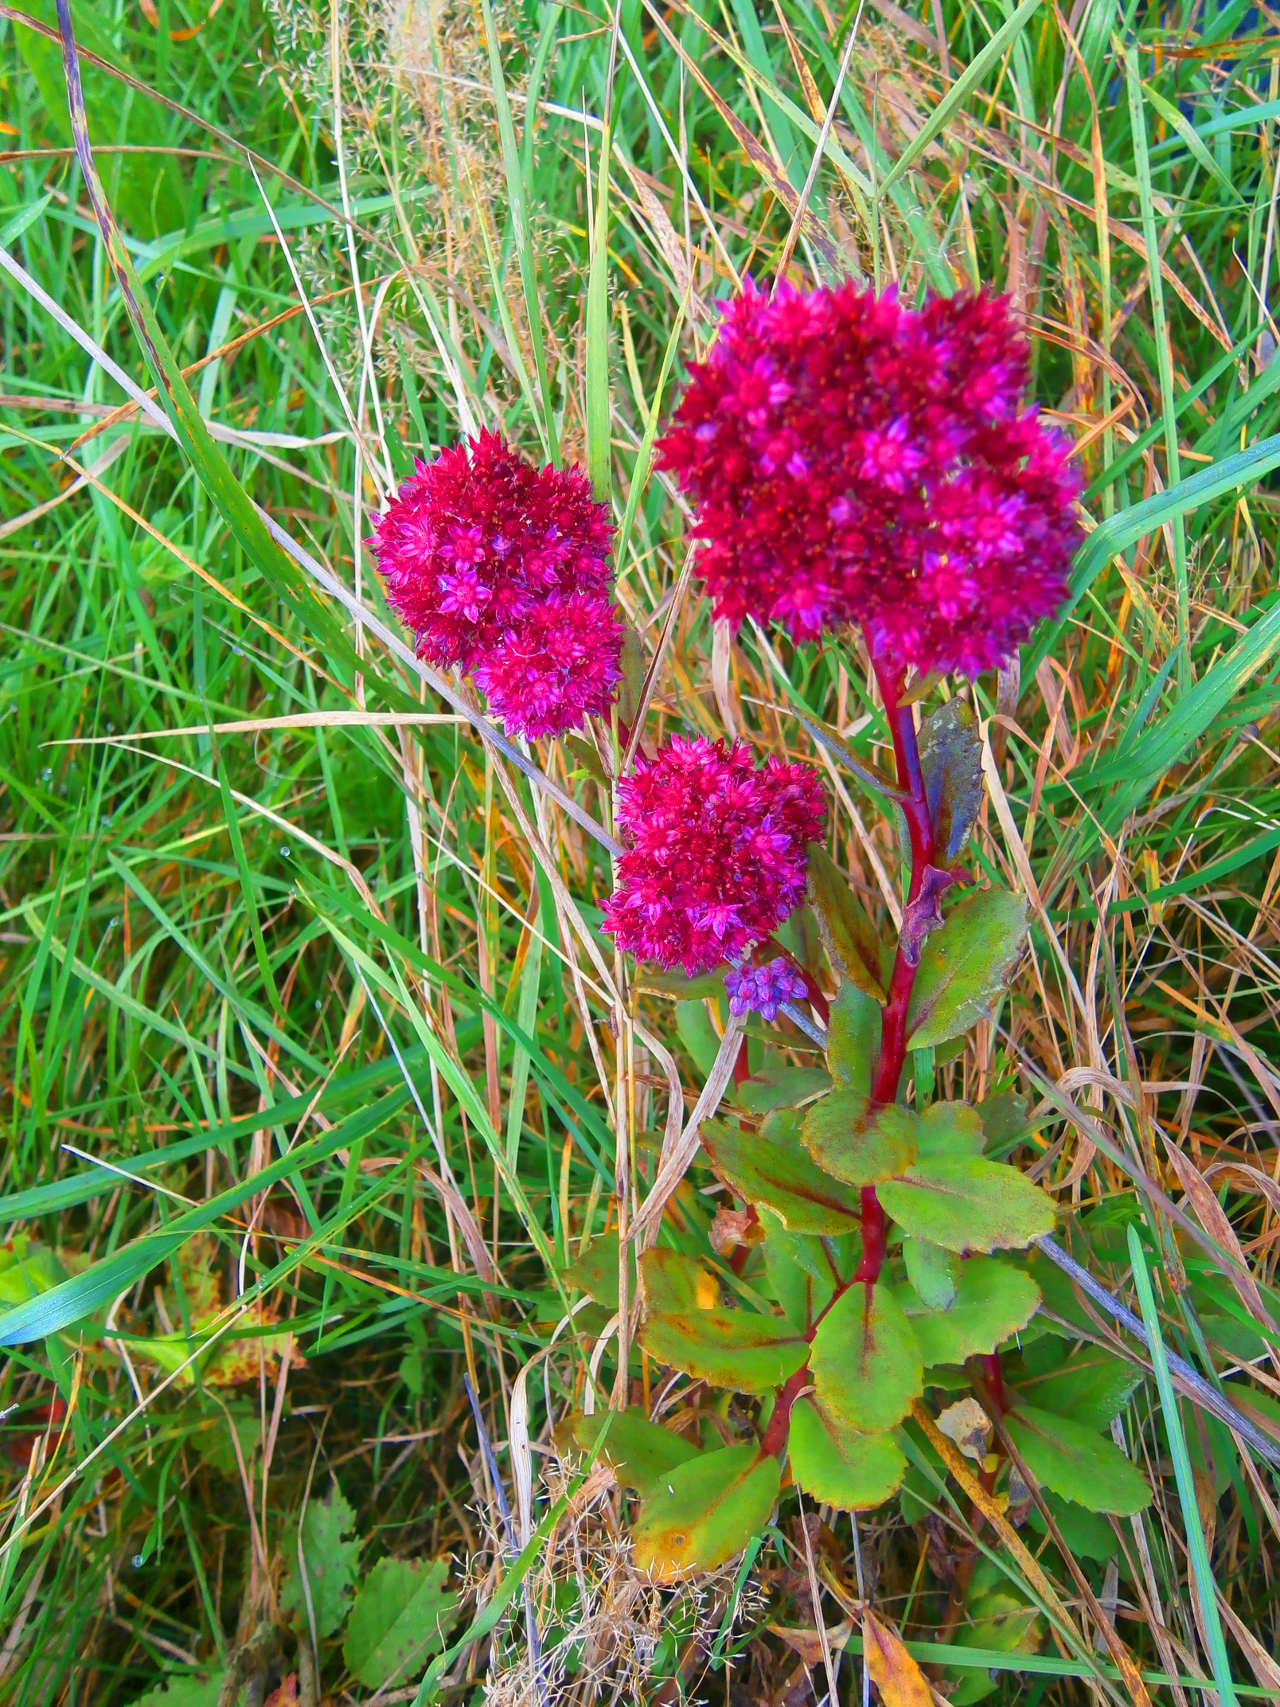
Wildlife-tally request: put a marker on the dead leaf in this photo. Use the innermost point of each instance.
(808, 1644)
(893, 1671)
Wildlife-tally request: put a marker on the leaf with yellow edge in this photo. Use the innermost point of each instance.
(893, 1671)
(865, 1362)
(839, 1466)
(705, 1511)
(857, 1141)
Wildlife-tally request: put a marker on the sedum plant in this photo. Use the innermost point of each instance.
(853, 463)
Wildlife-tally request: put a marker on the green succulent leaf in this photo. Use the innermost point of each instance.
(1090, 1388)
(933, 1272)
(402, 1614)
(853, 947)
(689, 1329)
(839, 1466)
(639, 1452)
(1088, 1534)
(702, 1514)
(858, 1141)
(951, 764)
(1077, 1463)
(865, 1362)
(783, 1087)
(964, 966)
(993, 1300)
(949, 1129)
(853, 1038)
(800, 1274)
(968, 1205)
(773, 1169)
(596, 1271)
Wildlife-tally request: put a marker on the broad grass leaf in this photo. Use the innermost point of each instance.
(964, 966)
(1077, 1463)
(865, 1362)
(992, 1301)
(949, 1129)
(951, 764)
(640, 1452)
(838, 1465)
(331, 1550)
(773, 1169)
(933, 1272)
(853, 947)
(402, 1614)
(891, 1668)
(704, 1513)
(1090, 1388)
(783, 1087)
(853, 1038)
(968, 1205)
(848, 1136)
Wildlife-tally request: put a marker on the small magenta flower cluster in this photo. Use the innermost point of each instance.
(852, 460)
(715, 854)
(503, 569)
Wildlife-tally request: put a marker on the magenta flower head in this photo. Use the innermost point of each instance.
(715, 855)
(853, 460)
(503, 568)
(560, 662)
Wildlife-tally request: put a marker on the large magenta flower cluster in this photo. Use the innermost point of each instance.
(854, 460)
(502, 568)
(715, 854)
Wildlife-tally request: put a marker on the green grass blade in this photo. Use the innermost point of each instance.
(1201, 1569)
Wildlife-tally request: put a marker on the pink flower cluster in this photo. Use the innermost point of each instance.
(503, 569)
(715, 854)
(763, 989)
(857, 461)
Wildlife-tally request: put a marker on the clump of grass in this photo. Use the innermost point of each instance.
(275, 946)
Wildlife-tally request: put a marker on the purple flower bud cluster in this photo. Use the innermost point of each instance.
(763, 989)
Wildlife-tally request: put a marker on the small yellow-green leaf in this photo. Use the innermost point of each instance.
(964, 966)
(1089, 1388)
(640, 1452)
(859, 1142)
(853, 1038)
(968, 1205)
(1077, 1463)
(848, 935)
(992, 1301)
(773, 1169)
(838, 1465)
(705, 1512)
(950, 1129)
(783, 1087)
(799, 1272)
(672, 1280)
(596, 1271)
(686, 1326)
(865, 1362)
(933, 1272)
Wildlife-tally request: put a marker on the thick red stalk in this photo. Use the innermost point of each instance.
(893, 1022)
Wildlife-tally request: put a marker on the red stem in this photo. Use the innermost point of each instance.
(893, 1026)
